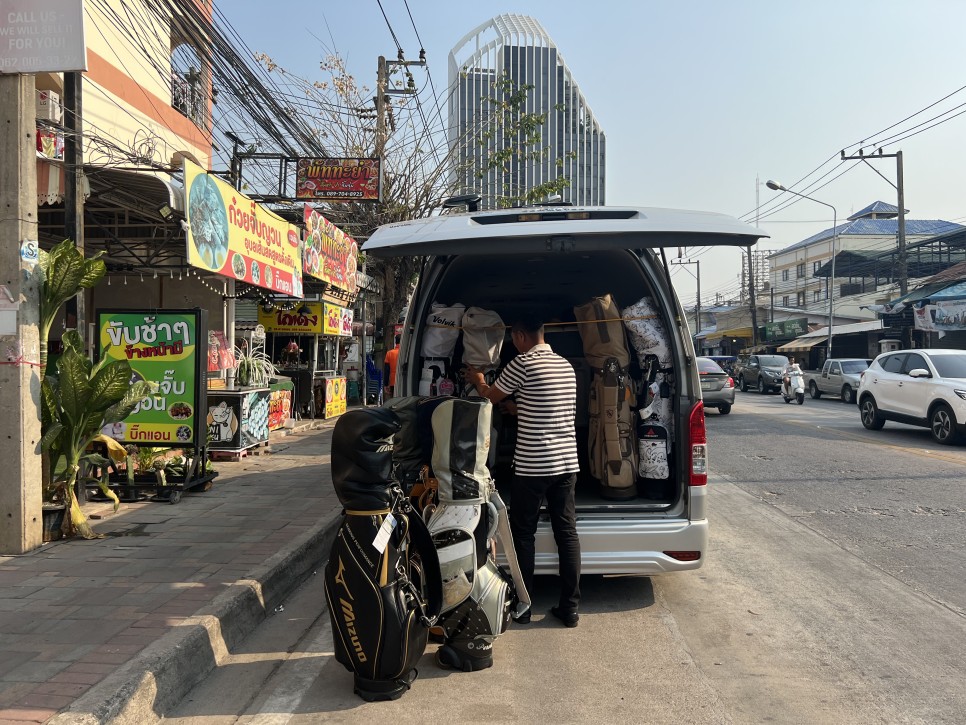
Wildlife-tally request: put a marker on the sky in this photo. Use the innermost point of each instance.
(702, 102)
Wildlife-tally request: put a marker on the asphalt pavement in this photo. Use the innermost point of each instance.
(118, 629)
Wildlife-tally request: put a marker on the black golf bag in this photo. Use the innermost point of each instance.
(478, 596)
(382, 581)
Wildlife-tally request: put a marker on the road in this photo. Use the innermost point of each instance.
(833, 593)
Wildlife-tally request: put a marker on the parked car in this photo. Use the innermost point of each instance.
(717, 387)
(918, 387)
(549, 260)
(838, 376)
(761, 371)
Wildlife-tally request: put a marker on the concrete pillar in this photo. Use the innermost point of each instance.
(20, 475)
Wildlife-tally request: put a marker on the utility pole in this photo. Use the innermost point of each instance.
(902, 269)
(20, 489)
(73, 194)
(697, 306)
(751, 299)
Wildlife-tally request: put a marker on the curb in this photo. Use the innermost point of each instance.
(160, 677)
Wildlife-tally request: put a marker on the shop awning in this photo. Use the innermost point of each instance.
(50, 183)
(802, 344)
(737, 332)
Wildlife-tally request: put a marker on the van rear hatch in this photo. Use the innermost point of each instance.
(564, 229)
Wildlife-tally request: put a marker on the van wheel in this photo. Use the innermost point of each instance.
(942, 425)
(742, 385)
(848, 396)
(724, 409)
(814, 391)
(869, 413)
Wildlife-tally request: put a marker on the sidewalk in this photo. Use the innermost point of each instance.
(119, 629)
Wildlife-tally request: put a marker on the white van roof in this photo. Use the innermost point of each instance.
(569, 227)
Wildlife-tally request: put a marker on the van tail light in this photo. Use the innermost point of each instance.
(699, 446)
(684, 555)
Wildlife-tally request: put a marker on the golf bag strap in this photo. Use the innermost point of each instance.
(506, 540)
(423, 545)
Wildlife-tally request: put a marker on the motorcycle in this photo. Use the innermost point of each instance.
(793, 387)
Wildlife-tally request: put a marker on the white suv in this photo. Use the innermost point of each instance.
(919, 387)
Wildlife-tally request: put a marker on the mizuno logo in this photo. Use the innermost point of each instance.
(349, 615)
(340, 578)
(386, 445)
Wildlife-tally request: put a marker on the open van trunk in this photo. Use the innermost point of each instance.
(552, 284)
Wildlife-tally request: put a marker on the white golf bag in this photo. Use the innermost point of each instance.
(477, 595)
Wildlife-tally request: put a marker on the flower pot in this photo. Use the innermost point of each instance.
(53, 521)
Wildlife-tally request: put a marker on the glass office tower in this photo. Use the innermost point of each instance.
(517, 47)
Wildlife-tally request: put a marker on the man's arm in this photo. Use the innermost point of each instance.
(475, 378)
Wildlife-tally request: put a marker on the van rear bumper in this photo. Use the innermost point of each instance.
(627, 546)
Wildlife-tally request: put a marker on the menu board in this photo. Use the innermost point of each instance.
(167, 348)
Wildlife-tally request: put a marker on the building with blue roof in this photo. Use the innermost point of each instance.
(865, 264)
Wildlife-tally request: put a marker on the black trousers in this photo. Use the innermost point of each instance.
(528, 493)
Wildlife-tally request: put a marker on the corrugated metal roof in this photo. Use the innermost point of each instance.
(868, 326)
(877, 207)
(877, 228)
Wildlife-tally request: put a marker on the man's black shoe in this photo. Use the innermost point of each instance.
(523, 618)
(569, 619)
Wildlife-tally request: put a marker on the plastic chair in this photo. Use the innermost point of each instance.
(373, 382)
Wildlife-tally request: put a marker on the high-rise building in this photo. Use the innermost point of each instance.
(572, 145)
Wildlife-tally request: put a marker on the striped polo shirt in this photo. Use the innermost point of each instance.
(546, 394)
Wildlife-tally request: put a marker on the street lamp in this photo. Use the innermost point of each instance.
(775, 186)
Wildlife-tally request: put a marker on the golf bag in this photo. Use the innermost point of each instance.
(382, 580)
(611, 444)
(483, 335)
(477, 595)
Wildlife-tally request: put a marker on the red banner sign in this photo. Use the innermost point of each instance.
(338, 179)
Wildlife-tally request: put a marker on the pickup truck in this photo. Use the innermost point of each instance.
(839, 376)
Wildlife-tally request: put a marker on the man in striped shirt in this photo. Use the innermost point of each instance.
(545, 458)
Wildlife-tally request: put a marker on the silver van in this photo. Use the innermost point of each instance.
(549, 259)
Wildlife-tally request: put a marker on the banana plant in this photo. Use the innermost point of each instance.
(76, 404)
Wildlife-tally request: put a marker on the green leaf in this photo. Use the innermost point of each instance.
(123, 408)
(49, 402)
(74, 387)
(64, 274)
(94, 271)
(109, 385)
(50, 435)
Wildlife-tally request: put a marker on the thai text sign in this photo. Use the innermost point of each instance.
(335, 397)
(335, 317)
(232, 235)
(329, 253)
(786, 329)
(42, 36)
(339, 179)
(163, 348)
(305, 322)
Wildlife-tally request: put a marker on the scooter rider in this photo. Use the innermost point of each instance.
(787, 371)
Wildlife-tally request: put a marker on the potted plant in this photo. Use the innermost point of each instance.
(253, 367)
(77, 403)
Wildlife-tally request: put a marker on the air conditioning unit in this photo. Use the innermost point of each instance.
(48, 107)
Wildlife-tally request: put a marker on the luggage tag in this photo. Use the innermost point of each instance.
(385, 531)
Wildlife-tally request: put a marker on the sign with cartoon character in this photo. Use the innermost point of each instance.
(237, 419)
(167, 348)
